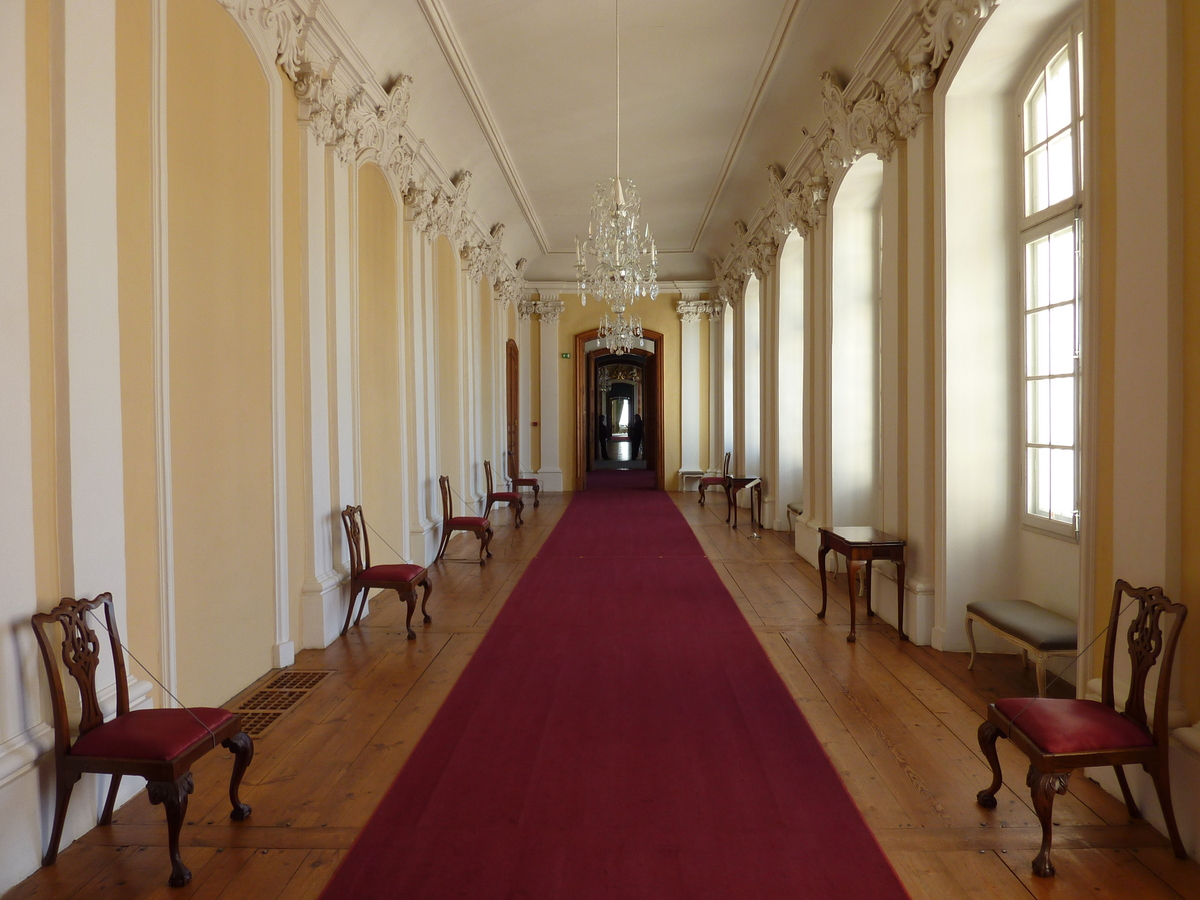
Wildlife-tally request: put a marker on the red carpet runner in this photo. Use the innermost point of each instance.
(619, 734)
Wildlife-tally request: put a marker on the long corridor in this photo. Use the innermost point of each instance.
(897, 721)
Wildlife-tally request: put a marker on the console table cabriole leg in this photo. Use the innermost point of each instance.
(821, 554)
(852, 566)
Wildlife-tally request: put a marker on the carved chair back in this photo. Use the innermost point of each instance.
(1147, 645)
(725, 466)
(511, 464)
(80, 653)
(487, 470)
(356, 537)
(447, 500)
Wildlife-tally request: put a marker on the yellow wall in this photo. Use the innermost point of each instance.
(657, 315)
(135, 248)
(220, 349)
(379, 362)
(39, 178)
(1190, 524)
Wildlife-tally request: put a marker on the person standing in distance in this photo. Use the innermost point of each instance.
(636, 432)
(603, 433)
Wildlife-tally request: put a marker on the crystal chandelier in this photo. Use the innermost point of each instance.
(626, 261)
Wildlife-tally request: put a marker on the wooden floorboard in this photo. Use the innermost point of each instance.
(898, 722)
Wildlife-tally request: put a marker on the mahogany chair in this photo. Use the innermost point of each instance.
(159, 745)
(522, 482)
(512, 498)
(403, 579)
(1060, 735)
(477, 525)
(715, 480)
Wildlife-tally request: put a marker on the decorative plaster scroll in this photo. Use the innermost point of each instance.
(512, 288)
(525, 309)
(715, 309)
(363, 121)
(855, 129)
(275, 24)
(943, 24)
(690, 310)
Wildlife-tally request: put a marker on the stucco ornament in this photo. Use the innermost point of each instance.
(855, 129)
(943, 23)
(275, 24)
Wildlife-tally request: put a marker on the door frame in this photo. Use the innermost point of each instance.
(585, 417)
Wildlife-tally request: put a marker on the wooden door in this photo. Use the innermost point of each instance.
(513, 409)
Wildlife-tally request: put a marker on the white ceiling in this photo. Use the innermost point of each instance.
(521, 93)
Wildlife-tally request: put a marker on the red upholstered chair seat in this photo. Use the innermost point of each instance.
(466, 523)
(712, 479)
(157, 734)
(505, 496)
(1073, 726)
(391, 573)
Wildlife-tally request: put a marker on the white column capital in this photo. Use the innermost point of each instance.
(690, 310)
(549, 310)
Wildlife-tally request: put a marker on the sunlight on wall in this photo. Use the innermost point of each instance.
(791, 370)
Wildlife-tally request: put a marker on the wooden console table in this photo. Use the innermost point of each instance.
(733, 485)
(862, 544)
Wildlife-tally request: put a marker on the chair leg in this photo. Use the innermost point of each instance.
(425, 599)
(411, 602)
(1130, 803)
(519, 508)
(362, 607)
(1162, 785)
(1039, 665)
(350, 609)
(485, 540)
(111, 801)
(63, 787)
(1044, 786)
(701, 492)
(971, 641)
(988, 734)
(445, 541)
(536, 490)
(241, 745)
(173, 795)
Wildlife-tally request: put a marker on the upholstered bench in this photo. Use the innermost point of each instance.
(1035, 629)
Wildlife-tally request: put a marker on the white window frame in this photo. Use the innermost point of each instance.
(1031, 227)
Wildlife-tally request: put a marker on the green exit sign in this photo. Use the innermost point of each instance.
(566, 356)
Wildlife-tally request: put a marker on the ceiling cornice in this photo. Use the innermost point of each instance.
(447, 38)
(770, 60)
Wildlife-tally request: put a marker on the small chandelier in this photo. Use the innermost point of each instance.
(626, 261)
(620, 334)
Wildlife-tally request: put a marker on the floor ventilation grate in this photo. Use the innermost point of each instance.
(266, 706)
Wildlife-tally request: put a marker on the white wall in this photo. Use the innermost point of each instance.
(855, 352)
(751, 460)
(791, 377)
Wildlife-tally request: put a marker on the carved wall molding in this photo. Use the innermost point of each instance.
(348, 110)
(884, 103)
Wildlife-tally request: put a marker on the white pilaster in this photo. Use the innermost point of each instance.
(525, 386)
(769, 395)
(716, 385)
(689, 309)
(818, 414)
(420, 287)
(322, 593)
(549, 308)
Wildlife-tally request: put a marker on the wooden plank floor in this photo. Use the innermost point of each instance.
(898, 721)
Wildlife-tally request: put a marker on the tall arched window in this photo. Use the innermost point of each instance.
(752, 383)
(1051, 241)
(791, 373)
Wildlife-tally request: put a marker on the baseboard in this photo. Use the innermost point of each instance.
(423, 543)
(551, 480)
(323, 600)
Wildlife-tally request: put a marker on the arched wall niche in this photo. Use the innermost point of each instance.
(792, 393)
(854, 219)
(751, 310)
(381, 465)
(986, 551)
(451, 406)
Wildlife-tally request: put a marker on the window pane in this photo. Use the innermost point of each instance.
(1037, 273)
(1079, 68)
(1058, 92)
(1037, 343)
(1062, 266)
(1037, 412)
(1062, 485)
(1060, 175)
(1037, 176)
(1037, 465)
(1060, 354)
(1035, 114)
(1062, 411)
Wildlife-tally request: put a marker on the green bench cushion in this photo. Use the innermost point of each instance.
(1035, 625)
